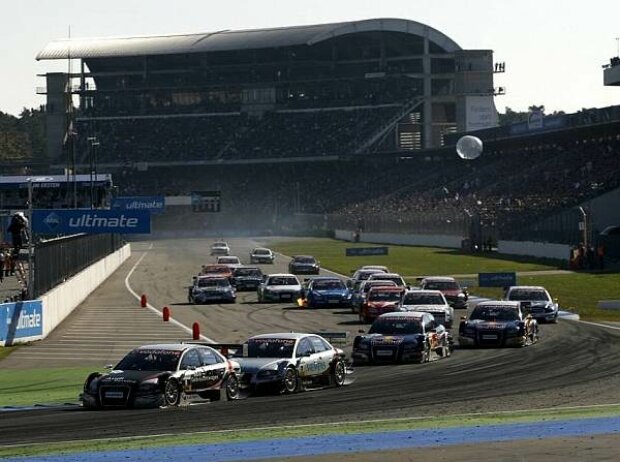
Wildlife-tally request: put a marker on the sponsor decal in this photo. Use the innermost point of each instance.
(154, 204)
(364, 251)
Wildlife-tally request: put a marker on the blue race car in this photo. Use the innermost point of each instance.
(325, 292)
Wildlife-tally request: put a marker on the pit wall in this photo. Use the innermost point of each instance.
(59, 302)
(532, 249)
(427, 240)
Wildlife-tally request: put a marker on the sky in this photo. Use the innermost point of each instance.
(553, 49)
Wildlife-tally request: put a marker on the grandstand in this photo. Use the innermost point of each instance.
(344, 88)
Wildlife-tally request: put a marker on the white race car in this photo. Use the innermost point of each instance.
(429, 301)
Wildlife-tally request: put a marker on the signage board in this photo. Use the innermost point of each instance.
(497, 279)
(365, 251)
(91, 221)
(154, 204)
(206, 201)
(21, 322)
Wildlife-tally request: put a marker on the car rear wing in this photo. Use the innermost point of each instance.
(335, 338)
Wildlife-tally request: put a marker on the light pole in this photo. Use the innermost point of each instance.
(92, 148)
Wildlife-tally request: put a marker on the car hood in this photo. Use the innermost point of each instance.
(211, 289)
(427, 308)
(382, 304)
(379, 339)
(283, 288)
(491, 325)
(118, 377)
(253, 365)
(331, 292)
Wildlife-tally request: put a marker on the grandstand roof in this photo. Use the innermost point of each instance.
(226, 40)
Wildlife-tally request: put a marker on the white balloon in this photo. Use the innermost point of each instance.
(469, 147)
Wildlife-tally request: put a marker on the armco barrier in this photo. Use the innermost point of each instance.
(534, 249)
(59, 302)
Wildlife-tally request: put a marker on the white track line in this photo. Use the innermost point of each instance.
(151, 307)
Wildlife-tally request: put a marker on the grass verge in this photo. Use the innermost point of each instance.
(25, 387)
(236, 436)
(577, 292)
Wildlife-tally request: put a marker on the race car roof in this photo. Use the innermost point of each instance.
(500, 304)
(282, 335)
(228, 40)
(439, 278)
(403, 315)
(166, 346)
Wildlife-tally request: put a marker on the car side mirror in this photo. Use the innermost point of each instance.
(109, 367)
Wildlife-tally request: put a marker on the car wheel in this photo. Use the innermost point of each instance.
(339, 373)
(172, 392)
(289, 382)
(232, 387)
(425, 355)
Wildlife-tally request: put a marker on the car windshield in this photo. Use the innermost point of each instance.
(209, 282)
(422, 299)
(522, 295)
(441, 285)
(494, 313)
(270, 348)
(372, 284)
(364, 275)
(230, 260)
(309, 260)
(261, 252)
(395, 326)
(383, 296)
(282, 281)
(252, 272)
(328, 285)
(150, 360)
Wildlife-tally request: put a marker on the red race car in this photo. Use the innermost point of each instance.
(380, 300)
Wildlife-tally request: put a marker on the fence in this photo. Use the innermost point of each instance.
(56, 260)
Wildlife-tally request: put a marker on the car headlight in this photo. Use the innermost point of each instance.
(149, 384)
(267, 373)
(461, 295)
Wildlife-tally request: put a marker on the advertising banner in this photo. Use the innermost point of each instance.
(364, 251)
(497, 279)
(73, 221)
(21, 322)
(154, 204)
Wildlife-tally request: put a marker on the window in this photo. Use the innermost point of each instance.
(304, 348)
(208, 357)
(319, 344)
(191, 359)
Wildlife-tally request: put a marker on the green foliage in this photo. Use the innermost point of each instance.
(577, 292)
(24, 387)
(23, 137)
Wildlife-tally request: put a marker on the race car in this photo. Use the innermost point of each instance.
(380, 300)
(247, 278)
(449, 287)
(220, 248)
(496, 323)
(280, 287)
(211, 289)
(160, 375)
(304, 264)
(289, 362)
(359, 296)
(402, 337)
(429, 301)
(326, 291)
(536, 301)
(382, 268)
(262, 255)
(228, 260)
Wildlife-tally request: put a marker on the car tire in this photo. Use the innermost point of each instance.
(172, 392)
(231, 387)
(290, 381)
(339, 373)
(425, 356)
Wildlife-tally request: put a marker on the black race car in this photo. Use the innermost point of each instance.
(247, 278)
(304, 264)
(496, 323)
(159, 375)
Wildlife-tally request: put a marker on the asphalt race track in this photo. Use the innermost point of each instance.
(573, 364)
